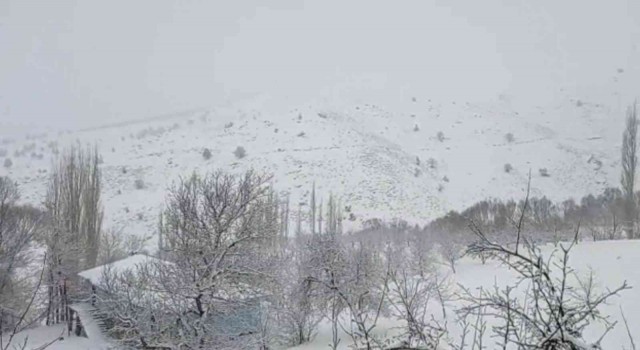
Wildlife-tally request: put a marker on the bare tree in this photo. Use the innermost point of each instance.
(73, 205)
(556, 307)
(410, 297)
(297, 309)
(313, 209)
(357, 276)
(218, 233)
(19, 227)
(629, 164)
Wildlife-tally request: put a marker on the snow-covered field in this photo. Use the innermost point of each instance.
(56, 336)
(612, 262)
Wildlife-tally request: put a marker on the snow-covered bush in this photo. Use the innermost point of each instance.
(543, 172)
(509, 137)
(139, 184)
(206, 154)
(8, 163)
(240, 152)
(507, 168)
(440, 136)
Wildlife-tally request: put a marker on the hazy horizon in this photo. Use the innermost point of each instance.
(77, 64)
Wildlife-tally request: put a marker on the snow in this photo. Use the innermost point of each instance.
(612, 262)
(129, 263)
(40, 336)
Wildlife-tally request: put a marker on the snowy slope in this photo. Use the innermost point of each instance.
(363, 152)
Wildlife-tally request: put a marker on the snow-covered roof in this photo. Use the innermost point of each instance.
(130, 263)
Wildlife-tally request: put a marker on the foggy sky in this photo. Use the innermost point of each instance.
(81, 63)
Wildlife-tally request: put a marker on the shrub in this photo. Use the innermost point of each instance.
(228, 125)
(543, 172)
(508, 168)
(416, 128)
(139, 184)
(301, 134)
(433, 164)
(509, 137)
(206, 154)
(440, 136)
(240, 152)
(8, 163)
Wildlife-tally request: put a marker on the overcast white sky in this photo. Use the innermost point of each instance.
(85, 62)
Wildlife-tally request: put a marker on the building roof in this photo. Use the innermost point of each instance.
(128, 264)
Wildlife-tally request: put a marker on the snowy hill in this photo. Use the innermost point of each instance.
(407, 157)
(355, 103)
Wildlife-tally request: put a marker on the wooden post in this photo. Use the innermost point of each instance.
(70, 322)
(78, 325)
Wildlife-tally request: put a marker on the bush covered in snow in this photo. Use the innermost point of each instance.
(206, 154)
(139, 184)
(240, 152)
(509, 137)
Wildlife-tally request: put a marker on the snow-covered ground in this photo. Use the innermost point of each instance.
(57, 337)
(383, 161)
(612, 262)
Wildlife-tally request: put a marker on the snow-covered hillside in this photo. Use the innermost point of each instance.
(408, 157)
